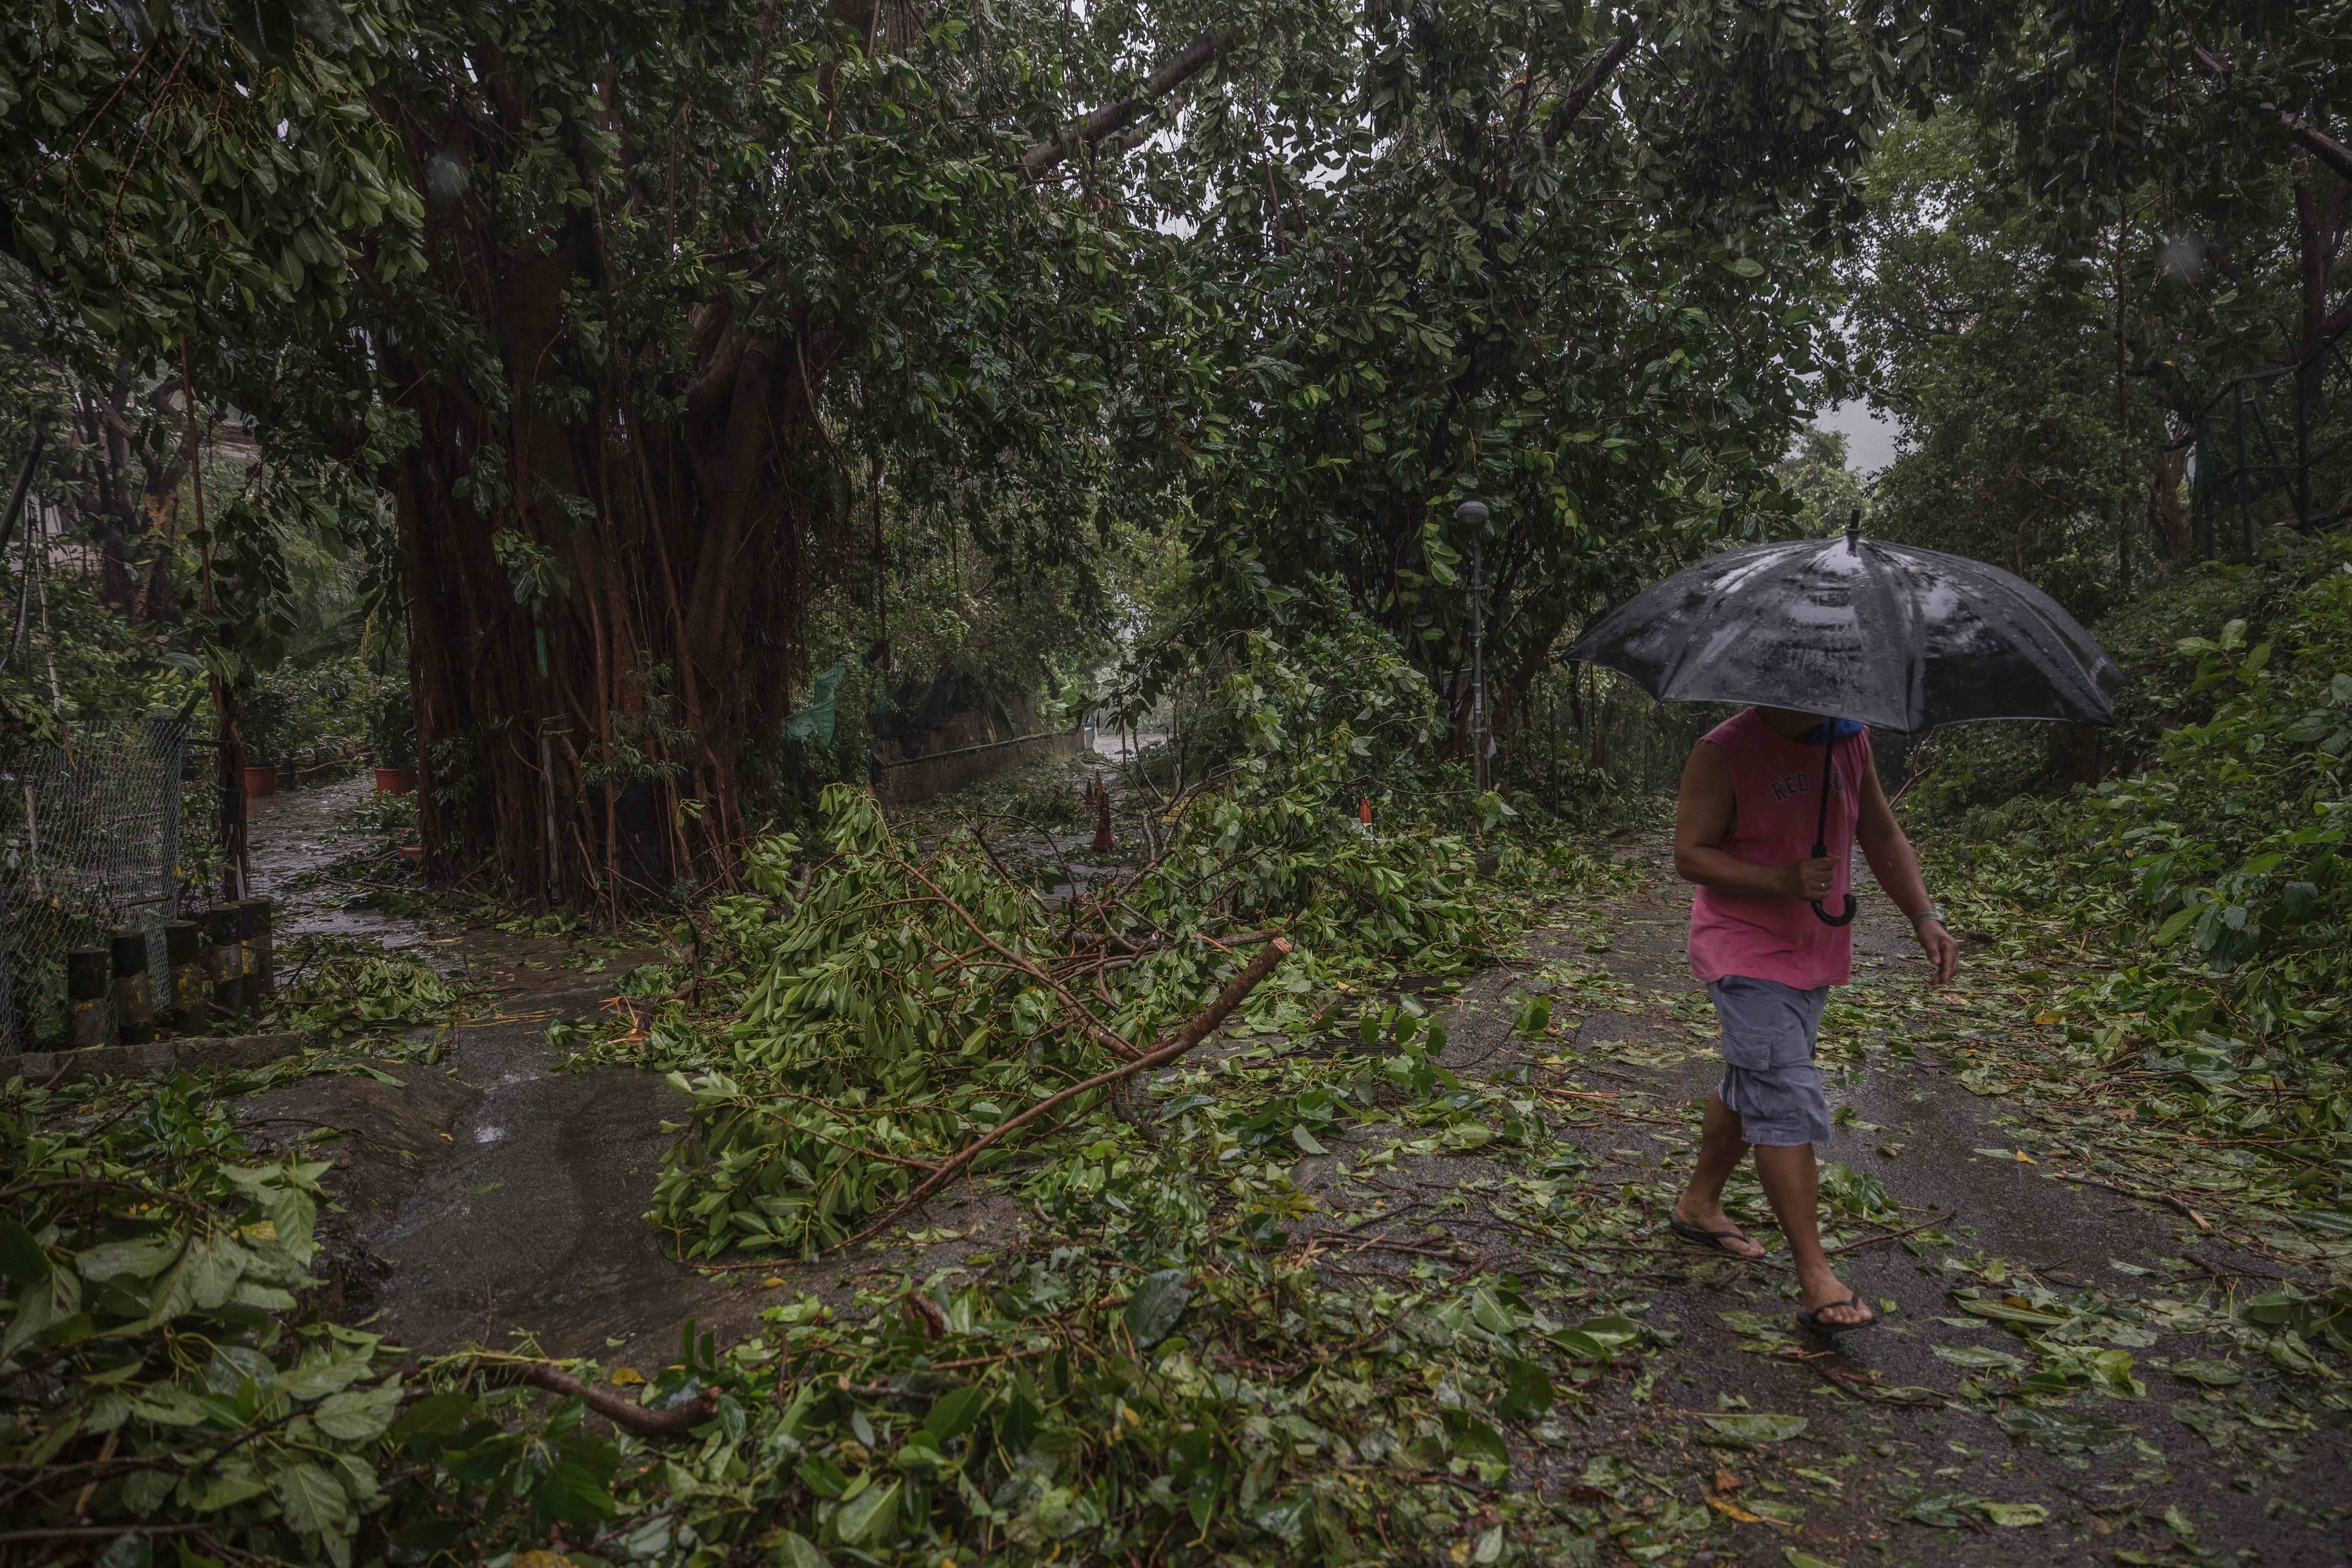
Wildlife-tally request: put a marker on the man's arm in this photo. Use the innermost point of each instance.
(1892, 862)
(1702, 816)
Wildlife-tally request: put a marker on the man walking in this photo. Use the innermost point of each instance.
(1744, 831)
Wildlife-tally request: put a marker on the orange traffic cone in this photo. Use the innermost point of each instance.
(1102, 820)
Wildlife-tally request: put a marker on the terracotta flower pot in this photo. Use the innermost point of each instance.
(395, 780)
(259, 782)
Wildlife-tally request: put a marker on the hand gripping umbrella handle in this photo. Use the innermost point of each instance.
(1820, 826)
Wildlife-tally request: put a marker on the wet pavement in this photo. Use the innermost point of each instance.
(487, 1197)
(2278, 1500)
(292, 840)
(481, 1195)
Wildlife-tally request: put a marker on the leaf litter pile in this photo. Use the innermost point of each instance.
(1290, 1290)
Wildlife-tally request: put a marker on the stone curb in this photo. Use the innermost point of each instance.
(154, 1057)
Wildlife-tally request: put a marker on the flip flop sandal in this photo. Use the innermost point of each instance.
(1712, 1240)
(1814, 1320)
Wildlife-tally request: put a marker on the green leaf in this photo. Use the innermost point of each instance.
(1797, 1559)
(327, 25)
(1941, 1510)
(359, 1415)
(431, 1423)
(2059, 1431)
(953, 1413)
(1156, 1305)
(22, 1261)
(2015, 1515)
(2010, 1311)
(869, 1518)
(325, 1377)
(1746, 266)
(2212, 1374)
(1476, 1439)
(1748, 1431)
(1528, 1394)
(313, 1499)
(1978, 1357)
(1609, 1332)
(789, 1550)
(128, 1551)
(140, 1259)
(573, 1489)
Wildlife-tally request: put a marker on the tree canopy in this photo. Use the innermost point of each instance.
(658, 324)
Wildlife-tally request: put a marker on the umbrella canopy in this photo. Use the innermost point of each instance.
(1895, 635)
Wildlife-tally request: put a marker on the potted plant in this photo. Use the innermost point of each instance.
(262, 723)
(392, 737)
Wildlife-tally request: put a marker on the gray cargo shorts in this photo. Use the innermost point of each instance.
(1769, 1081)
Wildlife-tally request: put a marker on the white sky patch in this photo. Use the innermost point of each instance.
(1870, 434)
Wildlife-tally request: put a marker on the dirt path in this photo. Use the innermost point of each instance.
(1887, 1417)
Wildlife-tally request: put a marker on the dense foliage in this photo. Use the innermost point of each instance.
(2223, 843)
(2065, 273)
(692, 394)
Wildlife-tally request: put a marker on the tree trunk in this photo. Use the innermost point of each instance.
(662, 653)
(2167, 514)
(605, 562)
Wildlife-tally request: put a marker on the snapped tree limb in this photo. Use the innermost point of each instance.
(1090, 130)
(1595, 75)
(675, 1422)
(2305, 134)
(1236, 991)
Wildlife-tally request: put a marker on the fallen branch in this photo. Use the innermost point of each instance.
(2166, 1199)
(679, 1421)
(1192, 1033)
(1103, 1036)
(1888, 1235)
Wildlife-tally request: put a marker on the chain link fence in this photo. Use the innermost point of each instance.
(91, 836)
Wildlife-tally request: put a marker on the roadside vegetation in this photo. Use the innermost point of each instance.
(647, 423)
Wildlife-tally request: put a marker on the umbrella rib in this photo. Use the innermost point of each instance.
(1915, 696)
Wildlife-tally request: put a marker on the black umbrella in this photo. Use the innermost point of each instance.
(1892, 635)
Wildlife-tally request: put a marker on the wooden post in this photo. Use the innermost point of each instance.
(262, 953)
(183, 957)
(134, 996)
(226, 962)
(88, 1014)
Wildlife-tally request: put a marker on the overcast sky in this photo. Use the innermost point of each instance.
(1869, 435)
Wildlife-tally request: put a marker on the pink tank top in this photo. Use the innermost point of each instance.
(1776, 786)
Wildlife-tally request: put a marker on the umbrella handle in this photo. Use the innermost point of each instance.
(1821, 912)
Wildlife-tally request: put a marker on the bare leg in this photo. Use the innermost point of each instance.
(1793, 1184)
(1720, 1148)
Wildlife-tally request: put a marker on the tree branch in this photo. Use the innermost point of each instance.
(676, 1422)
(1090, 130)
(2305, 135)
(1236, 991)
(1579, 95)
